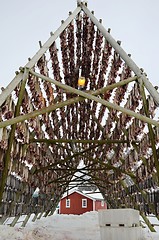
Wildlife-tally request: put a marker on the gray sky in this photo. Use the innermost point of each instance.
(23, 23)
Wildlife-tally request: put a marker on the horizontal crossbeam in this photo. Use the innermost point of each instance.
(105, 141)
(74, 100)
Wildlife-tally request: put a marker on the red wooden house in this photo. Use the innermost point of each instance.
(77, 202)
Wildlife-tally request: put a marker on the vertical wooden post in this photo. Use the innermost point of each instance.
(15, 220)
(3, 219)
(35, 217)
(151, 132)
(7, 159)
(26, 220)
(40, 215)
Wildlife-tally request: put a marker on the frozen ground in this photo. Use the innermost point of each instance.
(63, 227)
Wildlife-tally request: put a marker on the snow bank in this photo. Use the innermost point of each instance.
(62, 227)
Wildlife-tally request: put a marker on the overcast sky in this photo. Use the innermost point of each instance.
(23, 23)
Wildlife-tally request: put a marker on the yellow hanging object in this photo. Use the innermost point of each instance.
(81, 82)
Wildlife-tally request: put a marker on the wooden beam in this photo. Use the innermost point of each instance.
(76, 91)
(86, 169)
(7, 158)
(73, 171)
(151, 132)
(73, 100)
(64, 176)
(15, 220)
(105, 141)
(109, 166)
(64, 160)
(148, 223)
(64, 103)
(26, 220)
(90, 182)
(38, 55)
(123, 54)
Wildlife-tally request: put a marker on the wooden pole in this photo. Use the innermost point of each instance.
(84, 141)
(123, 54)
(26, 220)
(102, 101)
(64, 160)
(151, 132)
(38, 55)
(73, 90)
(74, 100)
(7, 158)
(64, 103)
(148, 223)
(15, 220)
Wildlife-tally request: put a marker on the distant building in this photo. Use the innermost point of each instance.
(76, 202)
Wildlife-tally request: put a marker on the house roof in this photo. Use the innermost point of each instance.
(92, 196)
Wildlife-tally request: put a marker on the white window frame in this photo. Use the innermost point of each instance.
(102, 203)
(67, 203)
(84, 203)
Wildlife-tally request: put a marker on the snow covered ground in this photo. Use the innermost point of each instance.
(62, 227)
